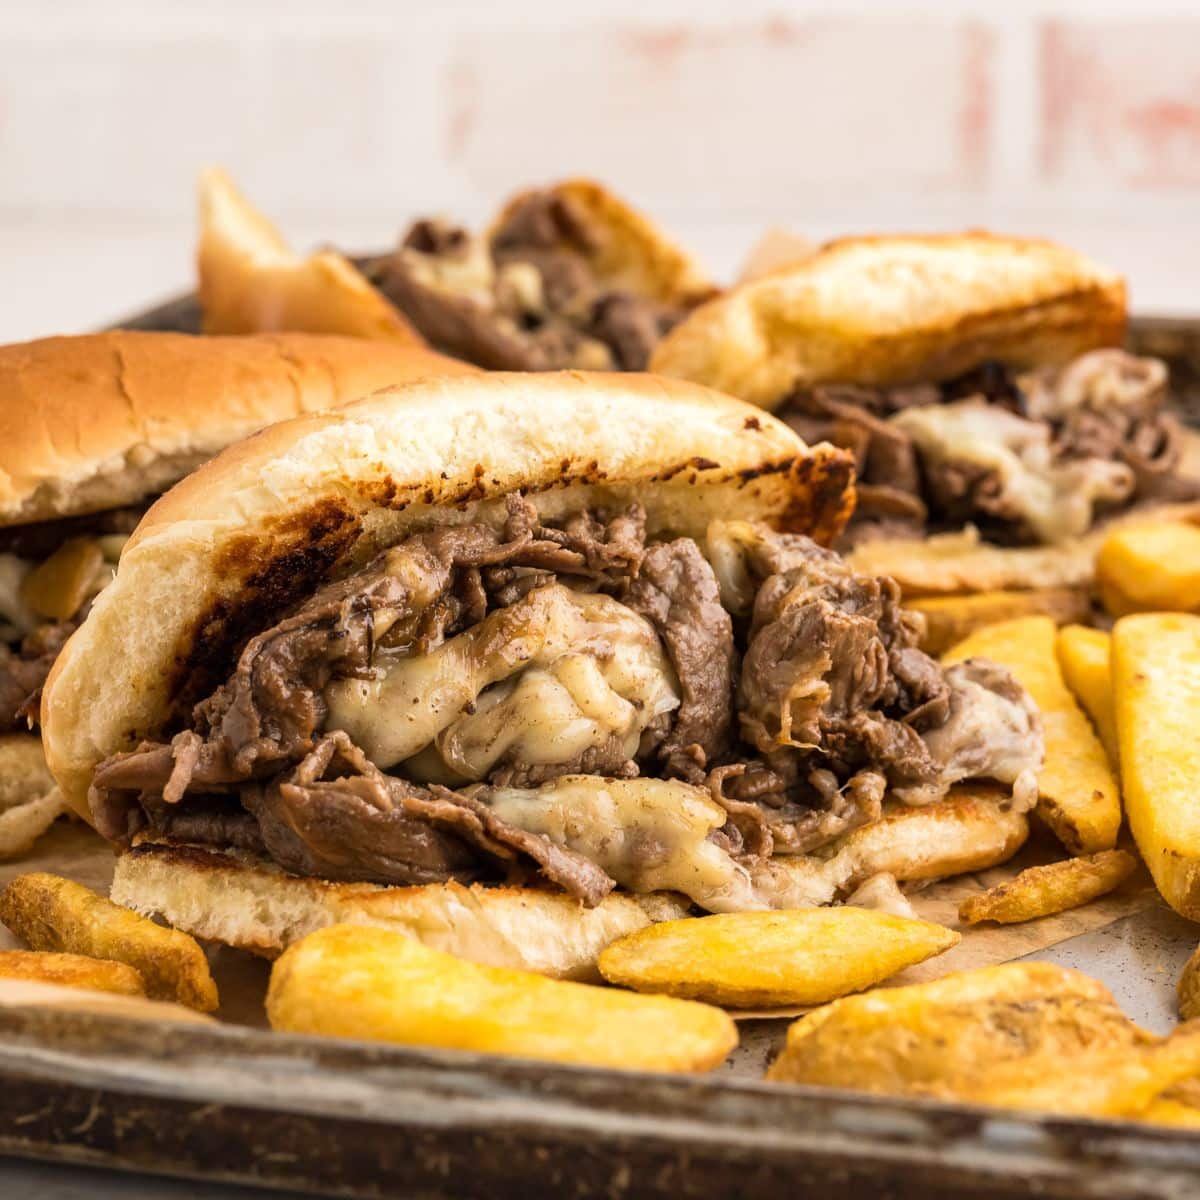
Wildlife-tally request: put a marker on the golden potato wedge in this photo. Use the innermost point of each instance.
(57, 587)
(973, 828)
(72, 970)
(1077, 792)
(948, 619)
(1156, 697)
(1027, 1035)
(360, 981)
(1164, 1111)
(1053, 888)
(1188, 988)
(1179, 1105)
(29, 801)
(1083, 655)
(52, 913)
(771, 959)
(1153, 566)
(251, 282)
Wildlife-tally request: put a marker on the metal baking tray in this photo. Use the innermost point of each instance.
(238, 1104)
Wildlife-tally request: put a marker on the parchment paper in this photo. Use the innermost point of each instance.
(72, 849)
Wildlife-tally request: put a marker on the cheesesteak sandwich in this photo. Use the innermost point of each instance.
(566, 276)
(978, 381)
(519, 663)
(93, 428)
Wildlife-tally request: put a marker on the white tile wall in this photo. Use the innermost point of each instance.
(342, 120)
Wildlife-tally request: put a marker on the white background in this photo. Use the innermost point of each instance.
(342, 121)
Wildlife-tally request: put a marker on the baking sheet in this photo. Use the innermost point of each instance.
(228, 1102)
(72, 849)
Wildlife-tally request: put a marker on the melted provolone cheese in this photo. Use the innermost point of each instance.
(1054, 499)
(650, 835)
(543, 680)
(16, 617)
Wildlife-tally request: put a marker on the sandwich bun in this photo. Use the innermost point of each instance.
(629, 252)
(250, 904)
(108, 419)
(261, 526)
(884, 311)
(251, 282)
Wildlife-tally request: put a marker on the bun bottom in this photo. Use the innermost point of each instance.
(249, 903)
(252, 905)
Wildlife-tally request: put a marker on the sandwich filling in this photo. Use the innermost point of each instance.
(1034, 458)
(527, 299)
(579, 702)
(50, 573)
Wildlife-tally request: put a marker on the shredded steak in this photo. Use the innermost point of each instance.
(834, 705)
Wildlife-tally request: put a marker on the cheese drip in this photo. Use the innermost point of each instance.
(652, 835)
(1054, 498)
(540, 682)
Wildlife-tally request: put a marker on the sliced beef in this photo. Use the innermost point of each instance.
(1105, 407)
(23, 671)
(677, 592)
(529, 299)
(833, 681)
(365, 825)
(631, 326)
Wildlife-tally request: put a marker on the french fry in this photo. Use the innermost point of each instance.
(1053, 888)
(772, 959)
(1188, 988)
(358, 981)
(29, 801)
(949, 619)
(1156, 697)
(51, 913)
(251, 282)
(972, 829)
(71, 970)
(1020, 1035)
(1153, 566)
(1083, 655)
(1164, 1111)
(1179, 1105)
(1077, 792)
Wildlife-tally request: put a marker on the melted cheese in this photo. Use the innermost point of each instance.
(730, 546)
(649, 834)
(544, 679)
(653, 835)
(1055, 500)
(16, 617)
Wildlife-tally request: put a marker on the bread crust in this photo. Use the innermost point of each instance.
(632, 252)
(893, 310)
(253, 905)
(251, 282)
(950, 564)
(108, 419)
(263, 524)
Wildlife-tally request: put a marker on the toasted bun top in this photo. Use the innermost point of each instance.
(225, 553)
(95, 422)
(895, 310)
(631, 251)
(249, 281)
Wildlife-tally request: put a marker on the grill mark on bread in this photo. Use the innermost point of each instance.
(273, 570)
